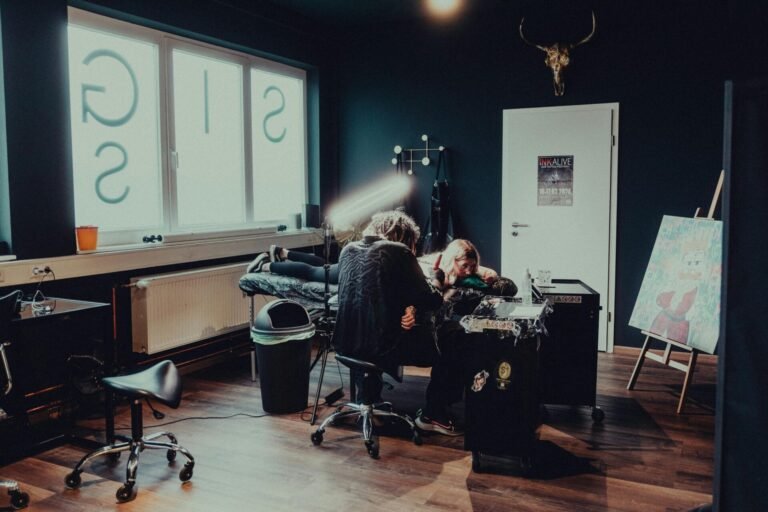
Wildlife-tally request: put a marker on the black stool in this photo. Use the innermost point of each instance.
(366, 409)
(159, 382)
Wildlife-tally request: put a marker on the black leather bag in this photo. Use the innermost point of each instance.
(439, 228)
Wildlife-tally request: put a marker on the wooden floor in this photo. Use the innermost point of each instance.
(643, 457)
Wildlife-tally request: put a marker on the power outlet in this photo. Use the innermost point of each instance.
(41, 270)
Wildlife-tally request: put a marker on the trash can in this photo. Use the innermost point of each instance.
(282, 332)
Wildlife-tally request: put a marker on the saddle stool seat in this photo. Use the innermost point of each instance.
(159, 382)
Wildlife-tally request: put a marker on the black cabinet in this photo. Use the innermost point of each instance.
(51, 346)
(502, 405)
(568, 355)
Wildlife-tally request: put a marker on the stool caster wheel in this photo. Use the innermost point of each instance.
(186, 472)
(113, 458)
(417, 440)
(373, 448)
(19, 499)
(316, 437)
(597, 415)
(170, 455)
(476, 463)
(126, 492)
(73, 480)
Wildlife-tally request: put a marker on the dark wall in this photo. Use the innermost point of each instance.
(41, 204)
(742, 418)
(663, 62)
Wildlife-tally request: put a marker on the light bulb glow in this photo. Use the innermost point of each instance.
(443, 7)
(369, 200)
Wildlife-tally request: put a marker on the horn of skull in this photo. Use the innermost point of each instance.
(558, 55)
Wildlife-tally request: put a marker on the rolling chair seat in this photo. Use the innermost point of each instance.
(366, 408)
(159, 382)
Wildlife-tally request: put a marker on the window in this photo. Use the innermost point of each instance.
(209, 132)
(173, 136)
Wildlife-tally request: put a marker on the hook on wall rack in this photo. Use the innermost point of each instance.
(404, 157)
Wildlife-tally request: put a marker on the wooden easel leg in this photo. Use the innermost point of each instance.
(667, 353)
(639, 363)
(688, 378)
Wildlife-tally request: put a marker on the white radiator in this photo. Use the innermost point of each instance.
(174, 309)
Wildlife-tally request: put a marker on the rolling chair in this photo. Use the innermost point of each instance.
(159, 382)
(8, 303)
(366, 408)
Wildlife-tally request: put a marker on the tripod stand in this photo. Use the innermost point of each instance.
(326, 322)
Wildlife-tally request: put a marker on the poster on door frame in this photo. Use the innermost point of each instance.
(555, 181)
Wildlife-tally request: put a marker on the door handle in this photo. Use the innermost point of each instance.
(518, 225)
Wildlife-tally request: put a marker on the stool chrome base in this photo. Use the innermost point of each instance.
(365, 413)
(137, 444)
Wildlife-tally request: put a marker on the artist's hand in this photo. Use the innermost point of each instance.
(436, 275)
(408, 320)
(490, 276)
(449, 293)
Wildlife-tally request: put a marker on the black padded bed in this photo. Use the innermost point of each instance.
(309, 294)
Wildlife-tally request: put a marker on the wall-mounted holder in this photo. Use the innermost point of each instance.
(404, 164)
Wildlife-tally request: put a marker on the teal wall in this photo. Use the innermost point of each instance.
(664, 62)
(384, 84)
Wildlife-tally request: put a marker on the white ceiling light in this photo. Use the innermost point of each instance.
(443, 8)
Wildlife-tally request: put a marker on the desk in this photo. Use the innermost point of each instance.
(569, 351)
(42, 339)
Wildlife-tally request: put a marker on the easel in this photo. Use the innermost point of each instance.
(649, 336)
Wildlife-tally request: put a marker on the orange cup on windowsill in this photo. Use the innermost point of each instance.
(87, 238)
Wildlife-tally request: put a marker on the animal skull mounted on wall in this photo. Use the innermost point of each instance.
(558, 56)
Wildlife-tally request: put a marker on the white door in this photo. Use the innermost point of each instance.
(559, 170)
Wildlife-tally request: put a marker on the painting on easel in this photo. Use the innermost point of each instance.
(679, 298)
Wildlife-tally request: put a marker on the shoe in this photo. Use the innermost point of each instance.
(257, 263)
(444, 426)
(274, 253)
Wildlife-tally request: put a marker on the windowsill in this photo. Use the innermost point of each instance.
(196, 239)
(140, 256)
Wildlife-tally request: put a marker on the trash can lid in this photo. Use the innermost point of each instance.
(283, 318)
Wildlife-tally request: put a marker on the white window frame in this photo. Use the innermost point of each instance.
(166, 43)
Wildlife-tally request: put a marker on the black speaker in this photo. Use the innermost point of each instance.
(311, 216)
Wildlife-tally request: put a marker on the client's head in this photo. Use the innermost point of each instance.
(460, 259)
(395, 226)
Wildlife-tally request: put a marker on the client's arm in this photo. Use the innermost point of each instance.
(487, 274)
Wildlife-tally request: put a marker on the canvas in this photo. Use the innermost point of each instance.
(679, 298)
